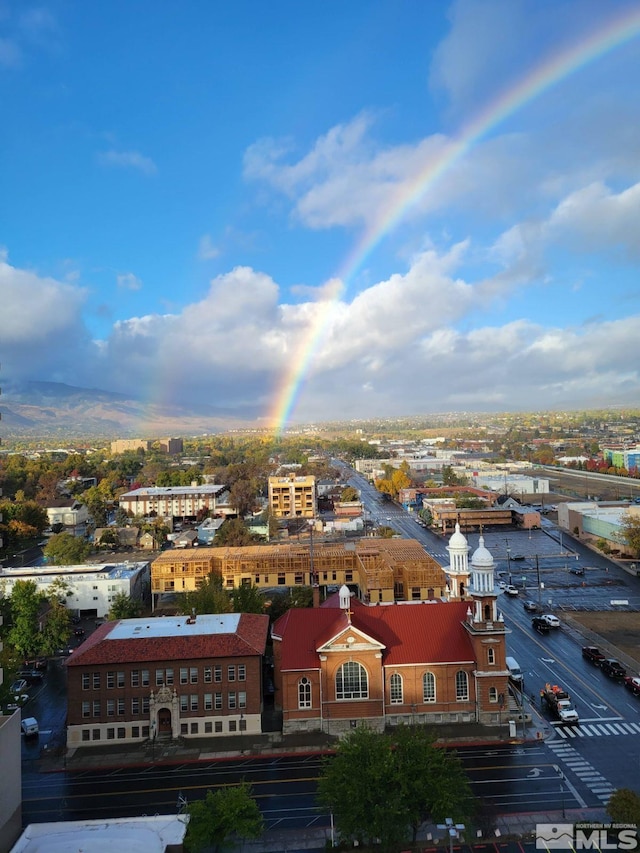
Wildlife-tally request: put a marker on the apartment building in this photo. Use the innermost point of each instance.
(172, 501)
(293, 497)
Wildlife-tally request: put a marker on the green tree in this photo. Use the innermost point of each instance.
(349, 494)
(63, 549)
(243, 497)
(26, 604)
(630, 529)
(624, 806)
(234, 533)
(247, 599)
(211, 597)
(96, 502)
(124, 607)
(415, 779)
(223, 816)
(353, 784)
(56, 628)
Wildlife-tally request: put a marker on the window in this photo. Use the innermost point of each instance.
(111, 680)
(194, 701)
(159, 677)
(86, 734)
(184, 703)
(121, 679)
(217, 672)
(86, 681)
(243, 725)
(145, 677)
(242, 699)
(242, 672)
(232, 725)
(231, 699)
(428, 687)
(493, 694)
(135, 731)
(208, 728)
(194, 728)
(193, 675)
(135, 705)
(145, 704)
(96, 708)
(352, 681)
(395, 690)
(218, 726)
(184, 728)
(207, 675)
(304, 693)
(135, 678)
(208, 701)
(462, 686)
(96, 681)
(168, 676)
(95, 734)
(491, 655)
(231, 673)
(86, 709)
(111, 707)
(120, 707)
(111, 733)
(122, 732)
(218, 698)
(184, 675)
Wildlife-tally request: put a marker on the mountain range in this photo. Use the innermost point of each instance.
(53, 409)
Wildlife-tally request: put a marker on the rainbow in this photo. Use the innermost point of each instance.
(548, 73)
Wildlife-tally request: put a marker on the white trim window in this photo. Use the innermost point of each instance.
(304, 693)
(462, 686)
(428, 687)
(352, 681)
(395, 689)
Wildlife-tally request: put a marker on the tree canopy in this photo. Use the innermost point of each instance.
(624, 806)
(124, 607)
(63, 549)
(223, 815)
(405, 771)
(630, 527)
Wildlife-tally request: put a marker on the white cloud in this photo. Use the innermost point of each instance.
(206, 250)
(128, 160)
(129, 281)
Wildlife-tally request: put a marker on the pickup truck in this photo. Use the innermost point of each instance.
(591, 653)
(559, 703)
(613, 668)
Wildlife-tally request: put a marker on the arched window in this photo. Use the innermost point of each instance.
(428, 687)
(395, 689)
(304, 693)
(493, 694)
(487, 612)
(491, 655)
(352, 681)
(462, 686)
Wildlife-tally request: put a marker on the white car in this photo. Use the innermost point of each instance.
(551, 620)
(502, 584)
(511, 589)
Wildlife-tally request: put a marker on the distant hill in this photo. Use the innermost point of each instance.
(48, 409)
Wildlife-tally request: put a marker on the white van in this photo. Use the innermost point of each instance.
(30, 726)
(515, 673)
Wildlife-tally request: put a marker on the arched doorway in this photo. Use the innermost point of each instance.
(164, 722)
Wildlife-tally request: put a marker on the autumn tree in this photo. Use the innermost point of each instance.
(630, 529)
(234, 532)
(349, 494)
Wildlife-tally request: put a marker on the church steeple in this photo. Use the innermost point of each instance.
(482, 584)
(458, 570)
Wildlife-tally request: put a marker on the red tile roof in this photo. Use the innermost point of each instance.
(412, 633)
(249, 639)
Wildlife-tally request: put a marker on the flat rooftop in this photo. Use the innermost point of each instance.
(208, 624)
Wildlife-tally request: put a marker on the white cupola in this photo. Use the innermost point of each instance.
(458, 570)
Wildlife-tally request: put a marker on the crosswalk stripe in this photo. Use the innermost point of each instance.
(632, 728)
(611, 728)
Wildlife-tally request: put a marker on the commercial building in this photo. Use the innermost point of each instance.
(382, 569)
(293, 497)
(91, 587)
(171, 446)
(172, 501)
(346, 663)
(163, 678)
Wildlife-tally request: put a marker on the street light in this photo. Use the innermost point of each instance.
(453, 829)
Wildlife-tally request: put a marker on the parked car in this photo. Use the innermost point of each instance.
(511, 590)
(18, 686)
(517, 557)
(551, 620)
(18, 702)
(31, 676)
(577, 570)
(530, 606)
(613, 668)
(593, 654)
(539, 625)
(502, 584)
(29, 726)
(632, 683)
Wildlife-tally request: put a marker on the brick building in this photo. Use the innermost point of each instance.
(420, 662)
(192, 677)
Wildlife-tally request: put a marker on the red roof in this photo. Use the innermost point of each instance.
(249, 639)
(412, 634)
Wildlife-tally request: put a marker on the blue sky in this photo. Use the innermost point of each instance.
(181, 183)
